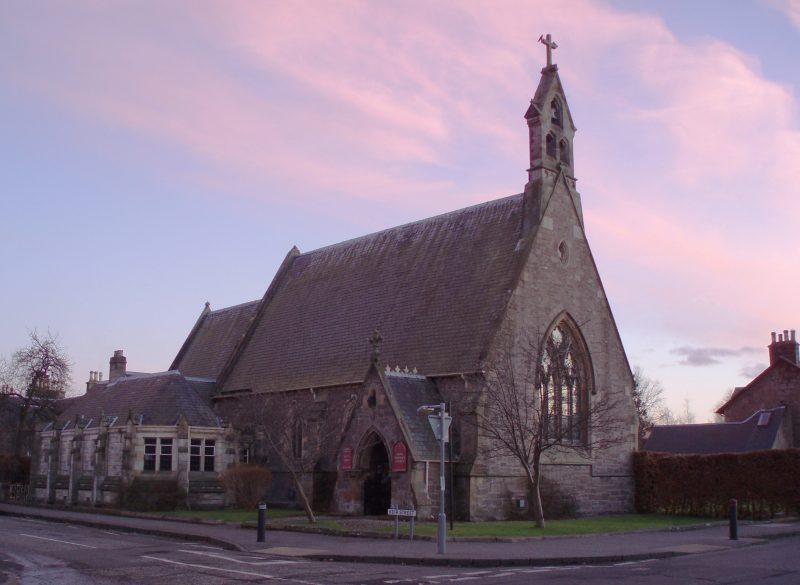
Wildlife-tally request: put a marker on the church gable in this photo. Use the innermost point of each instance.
(213, 339)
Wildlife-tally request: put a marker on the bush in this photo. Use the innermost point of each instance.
(557, 504)
(763, 482)
(14, 470)
(153, 495)
(246, 484)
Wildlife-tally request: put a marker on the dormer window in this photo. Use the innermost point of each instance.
(550, 145)
(556, 116)
(563, 151)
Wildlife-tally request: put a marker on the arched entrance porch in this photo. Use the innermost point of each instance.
(377, 482)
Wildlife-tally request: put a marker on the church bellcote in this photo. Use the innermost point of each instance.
(550, 127)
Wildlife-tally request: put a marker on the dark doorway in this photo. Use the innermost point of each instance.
(378, 484)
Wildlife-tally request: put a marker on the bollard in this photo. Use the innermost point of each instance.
(733, 526)
(262, 512)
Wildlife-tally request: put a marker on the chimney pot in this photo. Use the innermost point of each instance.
(117, 366)
(773, 337)
(785, 347)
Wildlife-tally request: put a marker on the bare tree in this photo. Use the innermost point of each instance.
(648, 396)
(294, 429)
(530, 408)
(36, 376)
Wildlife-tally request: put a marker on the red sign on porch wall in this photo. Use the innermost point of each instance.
(399, 457)
(346, 461)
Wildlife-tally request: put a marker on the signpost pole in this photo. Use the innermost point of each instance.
(442, 517)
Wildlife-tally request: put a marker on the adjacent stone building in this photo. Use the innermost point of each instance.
(153, 434)
(777, 385)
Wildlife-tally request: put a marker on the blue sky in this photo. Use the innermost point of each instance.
(158, 155)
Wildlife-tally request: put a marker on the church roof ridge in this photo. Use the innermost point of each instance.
(426, 220)
(234, 307)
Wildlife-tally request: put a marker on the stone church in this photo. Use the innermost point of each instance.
(362, 333)
(443, 293)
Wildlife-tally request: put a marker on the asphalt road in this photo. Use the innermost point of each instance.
(39, 552)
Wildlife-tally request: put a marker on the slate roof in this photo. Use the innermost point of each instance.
(152, 399)
(436, 290)
(213, 340)
(408, 392)
(732, 437)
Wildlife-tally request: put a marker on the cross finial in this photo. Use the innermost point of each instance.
(551, 45)
(375, 341)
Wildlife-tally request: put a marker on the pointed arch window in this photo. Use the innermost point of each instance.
(556, 114)
(563, 385)
(563, 151)
(550, 145)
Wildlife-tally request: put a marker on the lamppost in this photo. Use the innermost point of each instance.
(440, 423)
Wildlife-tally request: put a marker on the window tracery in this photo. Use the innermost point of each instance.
(563, 381)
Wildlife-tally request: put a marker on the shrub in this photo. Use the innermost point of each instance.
(557, 503)
(13, 469)
(246, 484)
(150, 495)
(763, 482)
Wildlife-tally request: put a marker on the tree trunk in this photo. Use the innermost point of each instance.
(536, 496)
(303, 498)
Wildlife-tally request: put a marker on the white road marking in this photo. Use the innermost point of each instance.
(440, 576)
(465, 579)
(110, 532)
(205, 546)
(57, 540)
(250, 573)
(32, 521)
(476, 573)
(507, 574)
(233, 560)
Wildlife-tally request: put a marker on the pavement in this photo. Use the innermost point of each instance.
(540, 551)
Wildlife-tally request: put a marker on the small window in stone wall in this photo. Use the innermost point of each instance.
(157, 454)
(150, 447)
(165, 460)
(563, 252)
(563, 151)
(202, 452)
(550, 145)
(556, 116)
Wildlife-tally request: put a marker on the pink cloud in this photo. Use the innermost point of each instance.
(789, 7)
(374, 103)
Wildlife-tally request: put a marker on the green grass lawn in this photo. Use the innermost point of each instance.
(239, 515)
(595, 525)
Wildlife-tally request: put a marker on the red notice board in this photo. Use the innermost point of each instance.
(346, 462)
(399, 457)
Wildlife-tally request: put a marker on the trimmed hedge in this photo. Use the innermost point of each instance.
(765, 483)
(13, 470)
(247, 484)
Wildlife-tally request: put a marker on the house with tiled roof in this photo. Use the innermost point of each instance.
(157, 432)
(437, 297)
(777, 385)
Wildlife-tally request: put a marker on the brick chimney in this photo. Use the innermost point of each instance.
(784, 345)
(117, 365)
